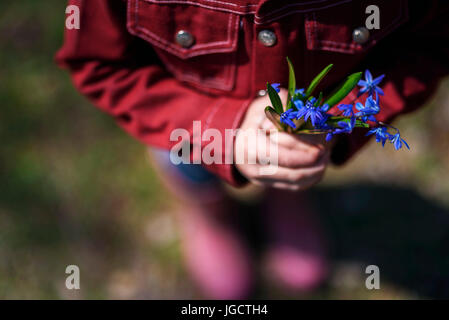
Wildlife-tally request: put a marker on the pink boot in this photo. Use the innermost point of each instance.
(214, 253)
(296, 255)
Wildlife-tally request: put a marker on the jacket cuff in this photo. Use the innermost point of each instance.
(225, 117)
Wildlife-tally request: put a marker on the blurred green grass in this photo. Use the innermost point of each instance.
(77, 190)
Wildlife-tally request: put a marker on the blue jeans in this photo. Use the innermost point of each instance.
(193, 173)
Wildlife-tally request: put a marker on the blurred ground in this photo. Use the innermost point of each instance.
(76, 190)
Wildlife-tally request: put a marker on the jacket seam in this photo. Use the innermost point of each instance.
(206, 6)
(261, 19)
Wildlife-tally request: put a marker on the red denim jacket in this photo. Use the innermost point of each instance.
(125, 59)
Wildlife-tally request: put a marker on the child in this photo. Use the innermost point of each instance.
(160, 65)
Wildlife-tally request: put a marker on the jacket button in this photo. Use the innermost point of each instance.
(360, 35)
(267, 38)
(184, 38)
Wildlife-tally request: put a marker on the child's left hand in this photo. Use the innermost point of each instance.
(302, 159)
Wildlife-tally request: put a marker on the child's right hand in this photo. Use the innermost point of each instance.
(302, 160)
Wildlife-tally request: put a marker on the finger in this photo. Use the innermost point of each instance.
(267, 125)
(254, 146)
(274, 172)
(294, 159)
(266, 151)
(299, 142)
(289, 175)
(261, 118)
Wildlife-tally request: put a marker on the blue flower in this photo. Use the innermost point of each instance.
(397, 141)
(299, 92)
(315, 115)
(276, 87)
(301, 107)
(309, 110)
(298, 104)
(347, 110)
(288, 116)
(322, 124)
(370, 85)
(343, 127)
(324, 107)
(381, 133)
(368, 110)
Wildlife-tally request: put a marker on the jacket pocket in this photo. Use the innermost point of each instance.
(209, 60)
(332, 29)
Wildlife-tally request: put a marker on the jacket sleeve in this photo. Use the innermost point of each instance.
(414, 61)
(122, 75)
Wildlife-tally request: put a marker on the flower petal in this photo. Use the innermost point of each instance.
(378, 80)
(362, 83)
(368, 76)
(406, 144)
(379, 91)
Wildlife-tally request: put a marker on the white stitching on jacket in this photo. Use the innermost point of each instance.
(187, 53)
(262, 21)
(213, 1)
(225, 82)
(199, 5)
(288, 6)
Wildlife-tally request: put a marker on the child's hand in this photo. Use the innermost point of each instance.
(302, 160)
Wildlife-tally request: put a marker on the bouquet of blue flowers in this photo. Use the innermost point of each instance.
(306, 114)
